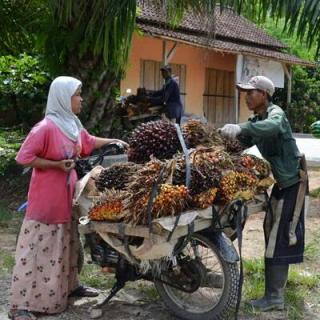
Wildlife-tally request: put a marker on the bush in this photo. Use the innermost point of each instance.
(305, 106)
(10, 142)
(23, 86)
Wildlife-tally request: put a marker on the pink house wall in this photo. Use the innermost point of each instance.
(196, 60)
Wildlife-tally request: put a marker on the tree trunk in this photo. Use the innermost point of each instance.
(98, 84)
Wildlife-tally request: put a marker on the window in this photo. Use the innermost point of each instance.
(218, 99)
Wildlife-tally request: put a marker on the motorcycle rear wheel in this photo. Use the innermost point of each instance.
(209, 301)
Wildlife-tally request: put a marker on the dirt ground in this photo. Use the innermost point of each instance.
(132, 304)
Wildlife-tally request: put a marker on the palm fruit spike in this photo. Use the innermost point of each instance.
(170, 201)
(116, 176)
(233, 145)
(140, 184)
(108, 206)
(142, 180)
(247, 161)
(216, 157)
(205, 199)
(260, 167)
(197, 133)
(157, 138)
(108, 211)
(203, 176)
(235, 182)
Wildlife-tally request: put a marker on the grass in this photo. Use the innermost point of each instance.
(312, 249)
(92, 276)
(299, 286)
(10, 220)
(5, 214)
(6, 262)
(315, 193)
(302, 285)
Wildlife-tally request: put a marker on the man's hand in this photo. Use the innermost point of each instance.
(230, 130)
(66, 165)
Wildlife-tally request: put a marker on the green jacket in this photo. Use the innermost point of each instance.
(272, 134)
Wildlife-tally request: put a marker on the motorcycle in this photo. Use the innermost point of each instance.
(200, 280)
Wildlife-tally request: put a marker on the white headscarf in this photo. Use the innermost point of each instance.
(59, 106)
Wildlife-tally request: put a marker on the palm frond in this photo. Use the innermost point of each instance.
(103, 27)
(19, 19)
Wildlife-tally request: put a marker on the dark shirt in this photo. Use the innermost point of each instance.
(169, 96)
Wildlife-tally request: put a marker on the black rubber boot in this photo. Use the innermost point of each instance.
(276, 277)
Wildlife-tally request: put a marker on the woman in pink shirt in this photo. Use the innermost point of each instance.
(45, 273)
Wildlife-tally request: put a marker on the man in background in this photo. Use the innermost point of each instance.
(169, 96)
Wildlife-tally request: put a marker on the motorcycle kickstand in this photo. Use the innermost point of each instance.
(96, 311)
(115, 289)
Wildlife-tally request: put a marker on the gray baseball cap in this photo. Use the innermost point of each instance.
(166, 68)
(260, 83)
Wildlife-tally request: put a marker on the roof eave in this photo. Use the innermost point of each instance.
(301, 62)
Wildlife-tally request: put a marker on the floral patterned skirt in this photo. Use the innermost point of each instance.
(46, 267)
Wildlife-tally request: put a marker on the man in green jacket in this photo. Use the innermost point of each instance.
(269, 129)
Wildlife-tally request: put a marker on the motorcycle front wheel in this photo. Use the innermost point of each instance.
(209, 284)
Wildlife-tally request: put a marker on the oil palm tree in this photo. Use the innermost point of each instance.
(92, 39)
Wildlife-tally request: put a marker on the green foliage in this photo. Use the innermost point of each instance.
(20, 22)
(7, 261)
(296, 47)
(315, 193)
(10, 142)
(100, 31)
(92, 276)
(5, 214)
(23, 86)
(305, 106)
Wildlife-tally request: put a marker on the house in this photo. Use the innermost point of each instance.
(208, 57)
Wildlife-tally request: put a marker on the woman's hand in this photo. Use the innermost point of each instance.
(40, 163)
(100, 142)
(66, 165)
(126, 145)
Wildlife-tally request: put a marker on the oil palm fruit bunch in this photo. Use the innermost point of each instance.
(214, 156)
(203, 176)
(315, 129)
(238, 185)
(233, 146)
(142, 180)
(260, 167)
(247, 161)
(157, 138)
(197, 133)
(109, 206)
(116, 176)
(179, 175)
(205, 199)
(170, 201)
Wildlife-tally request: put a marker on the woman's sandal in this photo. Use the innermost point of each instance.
(21, 315)
(83, 291)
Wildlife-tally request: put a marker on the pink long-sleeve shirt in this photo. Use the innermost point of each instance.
(51, 191)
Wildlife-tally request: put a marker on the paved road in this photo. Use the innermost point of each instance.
(307, 145)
